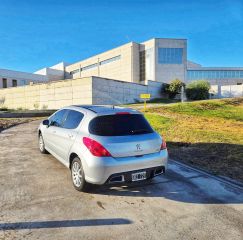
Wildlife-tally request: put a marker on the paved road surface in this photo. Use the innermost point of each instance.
(37, 201)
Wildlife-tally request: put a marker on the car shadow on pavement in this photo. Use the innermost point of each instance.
(195, 188)
(64, 224)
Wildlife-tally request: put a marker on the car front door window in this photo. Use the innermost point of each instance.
(58, 118)
(55, 125)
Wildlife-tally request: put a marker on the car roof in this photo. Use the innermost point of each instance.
(105, 109)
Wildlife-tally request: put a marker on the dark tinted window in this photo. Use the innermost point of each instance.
(57, 118)
(73, 119)
(14, 83)
(5, 83)
(119, 125)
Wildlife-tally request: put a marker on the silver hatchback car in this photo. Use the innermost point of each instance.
(102, 144)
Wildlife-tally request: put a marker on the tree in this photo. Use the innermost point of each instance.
(174, 88)
(198, 90)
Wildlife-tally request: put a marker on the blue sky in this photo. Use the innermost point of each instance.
(35, 34)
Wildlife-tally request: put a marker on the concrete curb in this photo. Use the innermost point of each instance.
(228, 181)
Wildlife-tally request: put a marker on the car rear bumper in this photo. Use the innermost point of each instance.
(101, 170)
(127, 176)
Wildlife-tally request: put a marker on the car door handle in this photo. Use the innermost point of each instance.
(53, 131)
(70, 135)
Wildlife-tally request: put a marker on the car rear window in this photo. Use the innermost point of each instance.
(119, 125)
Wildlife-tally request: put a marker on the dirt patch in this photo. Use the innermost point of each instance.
(234, 101)
(218, 158)
(10, 122)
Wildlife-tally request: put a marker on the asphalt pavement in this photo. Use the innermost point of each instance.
(38, 201)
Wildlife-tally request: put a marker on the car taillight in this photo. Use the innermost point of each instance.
(95, 148)
(163, 145)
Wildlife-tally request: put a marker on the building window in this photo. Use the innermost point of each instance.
(74, 71)
(214, 74)
(142, 66)
(5, 83)
(14, 83)
(110, 60)
(96, 64)
(170, 55)
(89, 67)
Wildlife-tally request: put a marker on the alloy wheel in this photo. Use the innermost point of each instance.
(41, 143)
(76, 174)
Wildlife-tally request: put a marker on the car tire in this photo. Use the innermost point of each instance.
(78, 177)
(42, 144)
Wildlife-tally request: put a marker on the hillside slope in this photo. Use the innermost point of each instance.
(207, 134)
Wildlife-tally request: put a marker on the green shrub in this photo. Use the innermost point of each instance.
(174, 88)
(198, 90)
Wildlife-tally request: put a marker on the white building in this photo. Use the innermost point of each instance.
(159, 59)
(11, 78)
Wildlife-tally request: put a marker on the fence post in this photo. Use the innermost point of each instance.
(182, 93)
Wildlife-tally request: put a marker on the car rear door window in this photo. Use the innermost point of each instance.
(119, 125)
(73, 119)
(57, 119)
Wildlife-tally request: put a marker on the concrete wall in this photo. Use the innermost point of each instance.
(227, 91)
(51, 95)
(90, 90)
(107, 91)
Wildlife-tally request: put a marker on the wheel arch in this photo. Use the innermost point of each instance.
(71, 157)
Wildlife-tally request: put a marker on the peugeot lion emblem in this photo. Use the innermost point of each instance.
(138, 147)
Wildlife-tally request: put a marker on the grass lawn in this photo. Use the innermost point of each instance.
(163, 100)
(155, 101)
(206, 134)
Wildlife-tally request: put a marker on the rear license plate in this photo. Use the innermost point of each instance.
(138, 176)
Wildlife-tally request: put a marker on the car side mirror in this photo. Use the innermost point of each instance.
(46, 122)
